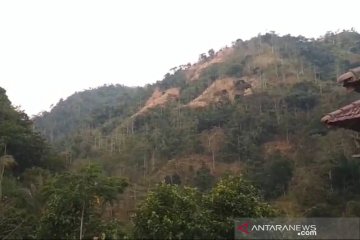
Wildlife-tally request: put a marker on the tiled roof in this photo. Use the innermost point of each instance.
(350, 111)
(352, 74)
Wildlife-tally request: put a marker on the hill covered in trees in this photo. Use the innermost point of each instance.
(244, 120)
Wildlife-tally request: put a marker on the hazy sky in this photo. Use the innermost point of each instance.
(50, 49)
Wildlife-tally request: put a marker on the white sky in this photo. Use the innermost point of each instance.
(50, 49)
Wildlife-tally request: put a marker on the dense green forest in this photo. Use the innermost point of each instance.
(237, 134)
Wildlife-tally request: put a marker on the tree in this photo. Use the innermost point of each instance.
(211, 53)
(303, 96)
(235, 70)
(203, 57)
(16, 223)
(213, 140)
(75, 202)
(171, 212)
(275, 176)
(234, 197)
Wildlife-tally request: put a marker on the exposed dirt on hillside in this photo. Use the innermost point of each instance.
(248, 92)
(193, 73)
(220, 90)
(254, 81)
(225, 89)
(159, 98)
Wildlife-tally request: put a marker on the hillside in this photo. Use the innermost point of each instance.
(90, 109)
(250, 109)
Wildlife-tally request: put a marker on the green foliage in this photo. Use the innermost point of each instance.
(75, 202)
(170, 212)
(183, 213)
(232, 198)
(273, 175)
(214, 116)
(250, 123)
(16, 223)
(21, 205)
(18, 139)
(211, 73)
(169, 133)
(235, 70)
(303, 96)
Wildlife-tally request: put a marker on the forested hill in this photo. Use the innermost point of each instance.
(265, 62)
(251, 109)
(237, 134)
(90, 108)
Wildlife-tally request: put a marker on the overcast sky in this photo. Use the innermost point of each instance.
(50, 49)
